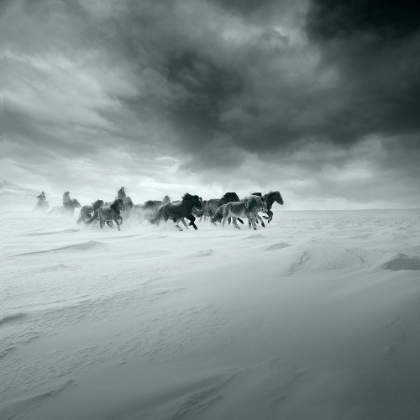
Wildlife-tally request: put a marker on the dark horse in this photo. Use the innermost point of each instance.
(86, 212)
(270, 199)
(109, 213)
(178, 211)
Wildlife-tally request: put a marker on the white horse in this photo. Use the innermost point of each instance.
(248, 207)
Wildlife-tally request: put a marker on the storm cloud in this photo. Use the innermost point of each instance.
(316, 98)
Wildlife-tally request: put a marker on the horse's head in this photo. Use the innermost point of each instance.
(256, 203)
(166, 199)
(277, 197)
(198, 202)
(120, 204)
(75, 203)
(193, 199)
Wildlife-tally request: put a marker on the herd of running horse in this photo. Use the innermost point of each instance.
(191, 207)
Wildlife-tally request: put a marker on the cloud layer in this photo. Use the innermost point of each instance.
(316, 98)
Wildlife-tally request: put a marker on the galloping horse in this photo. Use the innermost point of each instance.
(72, 204)
(109, 213)
(270, 199)
(178, 211)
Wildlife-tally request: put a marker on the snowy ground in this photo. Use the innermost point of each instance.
(315, 317)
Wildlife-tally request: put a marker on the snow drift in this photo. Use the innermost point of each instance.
(315, 317)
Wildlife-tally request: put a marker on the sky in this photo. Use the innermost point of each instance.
(318, 99)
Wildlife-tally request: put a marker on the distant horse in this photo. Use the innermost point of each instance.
(270, 199)
(86, 212)
(109, 213)
(178, 211)
(248, 207)
(41, 205)
(148, 210)
(71, 206)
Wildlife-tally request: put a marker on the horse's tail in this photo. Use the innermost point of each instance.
(159, 215)
(218, 214)
(94, 217)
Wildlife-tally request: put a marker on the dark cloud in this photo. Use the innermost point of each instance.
(387, 19)
(207, 88)
(374, 46)
(297, 88)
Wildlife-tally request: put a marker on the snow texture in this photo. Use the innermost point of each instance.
(316, 316)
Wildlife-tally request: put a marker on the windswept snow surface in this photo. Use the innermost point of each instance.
(316, 316)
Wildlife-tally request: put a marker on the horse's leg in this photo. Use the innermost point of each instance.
(235, 223)
(253, 223)
(183, 222)
(192, 219)
(101, 222)
(261, 220)
(270, 216)
(224, 219)
(118, 224)
(179, 228)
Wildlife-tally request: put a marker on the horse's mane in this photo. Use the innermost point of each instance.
(230, 196)
(186, 197)
(271, 193)
(97, 204)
